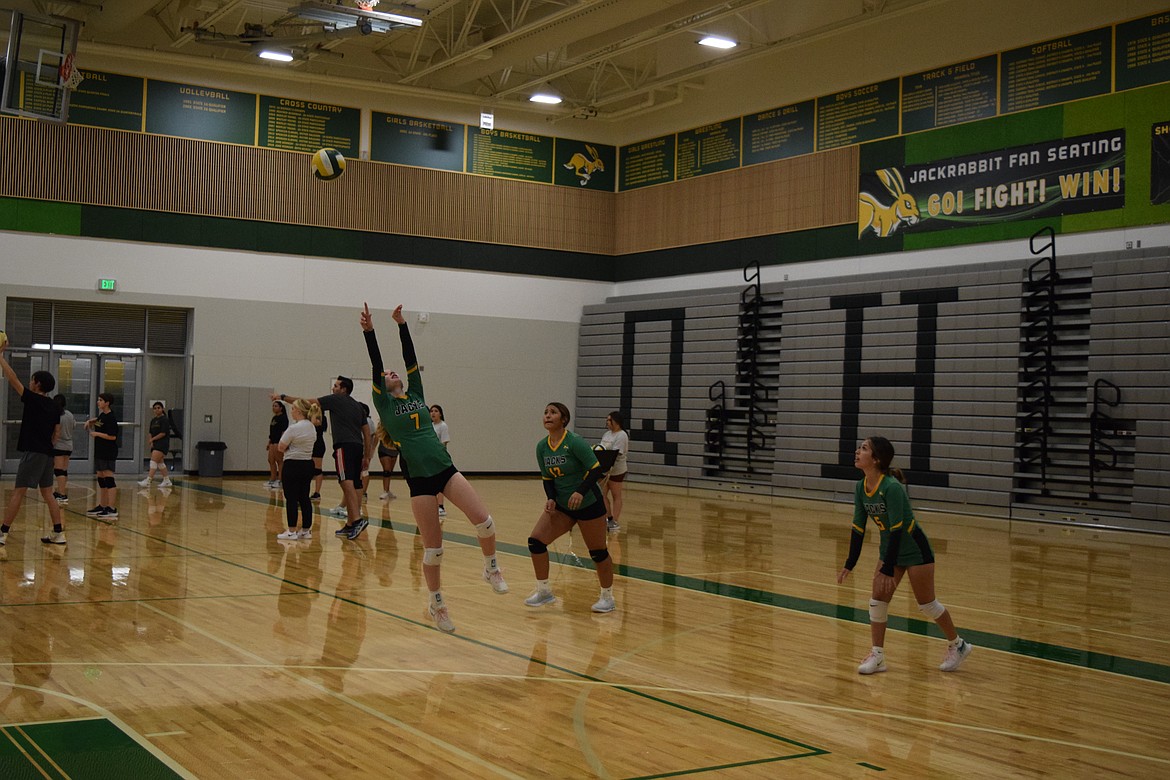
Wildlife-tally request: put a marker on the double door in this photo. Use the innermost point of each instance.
(80, 377)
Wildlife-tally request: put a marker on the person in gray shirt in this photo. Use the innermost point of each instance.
(63, 450)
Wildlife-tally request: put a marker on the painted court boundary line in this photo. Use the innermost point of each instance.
(1028, 648)
(809, 751)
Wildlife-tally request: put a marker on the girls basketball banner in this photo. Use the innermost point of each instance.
(1048, 179)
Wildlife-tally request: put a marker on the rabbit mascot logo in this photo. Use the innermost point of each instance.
(883, 220)
(583, 166)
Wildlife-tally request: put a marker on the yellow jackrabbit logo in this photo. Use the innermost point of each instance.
(882, 219)
(583, 166)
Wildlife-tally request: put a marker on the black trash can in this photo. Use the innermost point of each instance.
(211, 458)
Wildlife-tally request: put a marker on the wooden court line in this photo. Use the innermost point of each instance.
(1085, 659)
(41, 750)
(24, 753)
(811, 750)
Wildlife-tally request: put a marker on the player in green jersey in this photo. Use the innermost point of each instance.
(570, 471)
(881, 496)
(428, 469)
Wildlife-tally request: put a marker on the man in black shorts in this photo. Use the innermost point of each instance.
(38, 429)
(352, 446)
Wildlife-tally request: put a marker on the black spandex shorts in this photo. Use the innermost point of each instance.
(432, 485)
(62, 453)
(319, 449)
(349, 463)
(386, 452)
(155, 448)
(594, 511)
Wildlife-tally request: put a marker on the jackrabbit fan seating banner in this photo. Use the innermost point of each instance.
(1048, 179)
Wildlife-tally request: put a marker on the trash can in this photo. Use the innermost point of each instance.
(211, 458)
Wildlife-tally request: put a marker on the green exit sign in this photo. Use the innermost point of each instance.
(107, 285)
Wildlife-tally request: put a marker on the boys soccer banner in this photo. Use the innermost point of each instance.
(1049, 179)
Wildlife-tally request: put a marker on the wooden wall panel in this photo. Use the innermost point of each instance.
(801, 193)
(73, 164)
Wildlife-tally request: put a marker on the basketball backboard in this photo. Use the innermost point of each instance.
(38, 63)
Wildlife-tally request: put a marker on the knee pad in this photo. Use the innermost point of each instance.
(599, 555)
(879, 611)
(432, 556)
(486, 529)
(318, 472)
(104, 482)
(536, 547)
(933, 610)
(60, 473)
(111, 482)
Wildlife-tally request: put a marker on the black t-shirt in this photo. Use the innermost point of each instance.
(277, 427)
(324, 426)
(41, 415)
(159, 425)
(347, 417)
(106, 449)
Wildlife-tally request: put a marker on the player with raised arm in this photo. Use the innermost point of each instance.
(880, 497)
(427, 466)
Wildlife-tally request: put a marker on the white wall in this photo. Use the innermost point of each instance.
(496, 347)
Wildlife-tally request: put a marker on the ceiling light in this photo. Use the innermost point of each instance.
(275, 55)
(715, 42)
(543, 97)
(88, 348)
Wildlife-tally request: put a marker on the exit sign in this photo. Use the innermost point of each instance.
(108, 285)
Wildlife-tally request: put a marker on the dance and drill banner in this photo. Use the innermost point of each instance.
(1048, 179)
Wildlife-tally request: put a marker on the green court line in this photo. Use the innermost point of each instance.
(1028, 648)
(683, 772)
(871, 766)
(809, 750)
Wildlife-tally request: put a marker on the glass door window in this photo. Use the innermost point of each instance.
(77, 380)
(120, 377)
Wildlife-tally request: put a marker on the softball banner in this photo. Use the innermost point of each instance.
(1048, 179)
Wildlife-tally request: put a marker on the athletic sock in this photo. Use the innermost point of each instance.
(877, 650)
(490, 563)
(956, 641)
(607, 591)
(437, 598)
(543, 586)
(58, 528)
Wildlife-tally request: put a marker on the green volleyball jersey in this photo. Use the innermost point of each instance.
(566, 465)
(888, 506)
(408, 421)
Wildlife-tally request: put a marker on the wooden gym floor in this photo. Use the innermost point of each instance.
(184, 640)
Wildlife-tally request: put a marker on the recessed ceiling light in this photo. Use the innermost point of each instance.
(715, 42)
(541, 97)
(275, 56)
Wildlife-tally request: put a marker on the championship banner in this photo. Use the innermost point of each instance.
(1048, 179)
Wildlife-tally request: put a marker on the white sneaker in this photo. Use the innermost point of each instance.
(268, 484)
(873, 663)
(496, 580)
(955, 656)
(540, 597)
(442, 618)
(276, 485)
(611, 525)
(605, 603)
(305, 533)
(3, 539)
(442, 511)
(291, 533)
(387, 496)
(339, 511)
(144, 482)
(166, 483)
(54, 538)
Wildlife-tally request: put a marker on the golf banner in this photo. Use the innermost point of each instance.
(1047, 179)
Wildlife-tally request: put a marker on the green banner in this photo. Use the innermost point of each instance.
(190, 111)
(1056, 71)
(306, 125)
(108, 100)
(423, 143)
(587, 165)
(647, 163)
(708, 149)
(1142, 51)
(1160, 163)
(779, 133)
(857, 115)
(963, 92)
(510, 155)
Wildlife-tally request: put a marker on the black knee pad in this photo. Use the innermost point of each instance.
(102, 482)
(599, 555)
(536, 547)
(317, 472)
(60, 473)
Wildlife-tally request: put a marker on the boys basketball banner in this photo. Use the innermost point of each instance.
(1048, 179)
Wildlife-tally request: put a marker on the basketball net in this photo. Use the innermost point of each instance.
(69, 77)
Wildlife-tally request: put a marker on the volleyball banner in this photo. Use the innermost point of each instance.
(1048, 179)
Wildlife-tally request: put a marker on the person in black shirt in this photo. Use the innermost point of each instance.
(38, 428)
(276, 428)
(158, 438)
(104, 431)
(352, 447)
(319, 457)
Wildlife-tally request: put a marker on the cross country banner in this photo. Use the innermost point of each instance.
(1048, 179)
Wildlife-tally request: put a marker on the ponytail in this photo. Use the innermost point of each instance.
(382, 437)
(897, 474)
(310, 409)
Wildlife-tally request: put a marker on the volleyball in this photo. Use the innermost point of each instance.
(328, 164)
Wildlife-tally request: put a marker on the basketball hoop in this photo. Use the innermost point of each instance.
(69, 77)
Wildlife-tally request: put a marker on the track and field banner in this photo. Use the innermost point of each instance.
(1046, 179)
